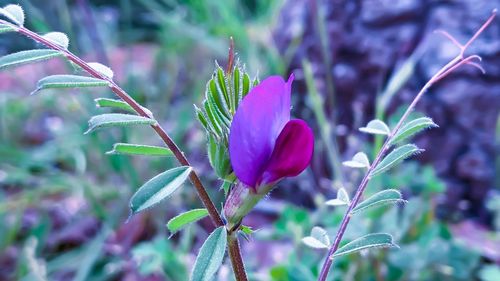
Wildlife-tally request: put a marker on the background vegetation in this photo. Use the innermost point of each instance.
(63, 202)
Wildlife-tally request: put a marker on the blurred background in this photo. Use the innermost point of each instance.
(63, 202)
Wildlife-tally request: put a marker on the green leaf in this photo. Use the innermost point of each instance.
(14, 13)
(256, 81)
(158, 188)
(105, 102)
(318, 239)
(68, 81)
(218, 157)
(25, 57)
(246, 85)
(210, 256)
(58, 38)
(117, 119)
(247, 230)
(360, 160)
(201, 117)
(374, 240)
(342, 198)
(214, 122)
(178, 222)
(377, 127)
(215, 96)
(138, 149)
(413, 127)
(237, 80)
(221, 118)
(384, 197)
(6, 28)
(395, 157)
(222, 85)
(102, 69)
(226, 186)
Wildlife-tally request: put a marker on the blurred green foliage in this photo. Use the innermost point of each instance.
(59, 188)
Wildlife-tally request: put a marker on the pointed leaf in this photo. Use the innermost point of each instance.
(105, 102)
(318, 239)
(214, 121)
(360, 160)
(221, 118)
(374, 240)
(201, 117)
(138, 149)
(14, 13)
(395, 157)
(6, 28)
(210, 256)
(245, 86)
(342, 198)
(222, 85)
(412, 128)
(102, 69)
(247, 230)
(59, 38)
(214, 95)
(384, 197)
(178, 222)
(158, 188)
(68, 81)
(377, 127)
(25, 57)
(117, 119)
(236, 89)
(218, 157)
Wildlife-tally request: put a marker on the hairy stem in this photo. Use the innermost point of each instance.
(458, 61)
(234, 250)
(217, 220)
(235, 257)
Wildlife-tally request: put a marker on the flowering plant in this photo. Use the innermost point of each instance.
(252, 144)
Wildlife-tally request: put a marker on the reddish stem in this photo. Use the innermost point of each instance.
(443, 72)
(233, 245)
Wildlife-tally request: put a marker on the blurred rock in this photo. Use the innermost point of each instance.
(369, 39)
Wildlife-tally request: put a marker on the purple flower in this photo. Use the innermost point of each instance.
(265, 146)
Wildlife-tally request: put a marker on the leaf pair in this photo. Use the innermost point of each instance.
(384, 197)
(378, 127)
(319, 240)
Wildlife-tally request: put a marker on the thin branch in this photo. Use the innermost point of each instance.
(233, 247)
(450, 37)
(202, 193)
(443, 72)
(235, 257)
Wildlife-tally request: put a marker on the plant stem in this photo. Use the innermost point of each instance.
(235, 257)
(458, 61)
(216, 219)
(234, 249)
(233, 246)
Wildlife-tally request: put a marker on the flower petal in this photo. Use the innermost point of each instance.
(292, 152)
(256, 125)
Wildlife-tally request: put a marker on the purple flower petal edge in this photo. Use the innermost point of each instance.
(292, 152)
(256, 125)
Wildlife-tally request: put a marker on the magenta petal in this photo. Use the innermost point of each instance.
(292, 152)
(256, 125)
